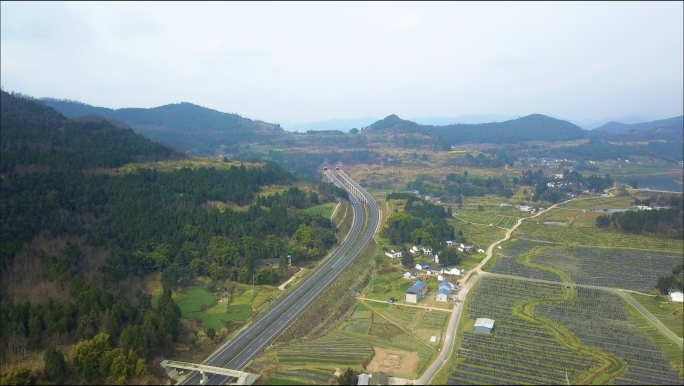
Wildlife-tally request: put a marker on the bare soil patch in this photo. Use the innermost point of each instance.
(395, 362)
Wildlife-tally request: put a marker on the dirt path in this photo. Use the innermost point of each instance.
(282, 286)
(405, 305)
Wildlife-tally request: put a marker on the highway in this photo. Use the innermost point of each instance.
(242, 349)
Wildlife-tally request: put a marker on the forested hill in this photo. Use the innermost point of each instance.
(36, 136)
(676, 123)
(535, 127)
(183, 125)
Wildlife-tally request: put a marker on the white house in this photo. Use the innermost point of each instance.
(451, 271)
(442, 295)
(414, 249)
(468, 247)
(460, 249)
(437, 259)
(427, 251)
(407, 275)
(677, 296)
(418, 266)
(364, 379)
(393, 254)
(440, 277)
(449, 243)
(525, 208)
(480, 250)
(461, 246)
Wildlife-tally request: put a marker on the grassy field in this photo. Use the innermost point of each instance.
(192, 163)
(669, 313)
(324, 209)
(505, 217)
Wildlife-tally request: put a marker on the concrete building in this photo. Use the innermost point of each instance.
(416, 292)
(393, 254)
(364, 379)
(676, 296)
(443, 295)
(484, 325)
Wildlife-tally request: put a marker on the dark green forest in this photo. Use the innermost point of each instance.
(146, 221)
(183, 125)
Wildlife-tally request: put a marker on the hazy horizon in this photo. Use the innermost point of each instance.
(300, 63)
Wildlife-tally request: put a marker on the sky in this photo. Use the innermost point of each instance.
(303, 62)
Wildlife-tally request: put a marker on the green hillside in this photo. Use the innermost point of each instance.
(182, 125)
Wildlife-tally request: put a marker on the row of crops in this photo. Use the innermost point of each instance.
(507, 261)
(591, 235)
(312, 376)
(631, 269)
(518, 352)
(599, 318)
(522, 352)
(488, 217)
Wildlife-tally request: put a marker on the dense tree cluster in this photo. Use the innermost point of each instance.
(660, 222)
(35, 135)
(459, 185)
(421, 223)
(572, 181)
(672, 282)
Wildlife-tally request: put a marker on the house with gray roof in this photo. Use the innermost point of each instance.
(416, 292)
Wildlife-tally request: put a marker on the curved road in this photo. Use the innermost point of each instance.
(242, 349)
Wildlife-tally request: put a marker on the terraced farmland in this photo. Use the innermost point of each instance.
(599, 319)
(508, 261)
(487, 217)
(632, 269)
(591, 235)
(518, 351)
(524, 348)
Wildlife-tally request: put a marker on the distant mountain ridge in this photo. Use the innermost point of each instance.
(535, 127)
(676, 123)
(343, 125)
(463, 119)
(182, 125)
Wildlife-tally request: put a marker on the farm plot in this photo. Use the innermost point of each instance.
(518, 351)
(310, 376)
(631, 269)
(509, 261)
(487, 217)
(419, 322)
(599, 319)
(591, 235)
(480, 235)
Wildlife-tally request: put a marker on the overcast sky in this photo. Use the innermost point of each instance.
(303, 62)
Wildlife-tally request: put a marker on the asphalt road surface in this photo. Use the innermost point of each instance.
(237, 353)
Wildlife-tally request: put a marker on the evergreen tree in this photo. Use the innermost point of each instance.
(55, 365)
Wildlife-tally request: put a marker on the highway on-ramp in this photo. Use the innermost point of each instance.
(242, 349)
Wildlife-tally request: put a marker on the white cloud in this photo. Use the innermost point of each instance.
(304, 62)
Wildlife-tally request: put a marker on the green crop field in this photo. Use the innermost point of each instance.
(488, 217)
(542, 331)
(669, 313)
(591, 235)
